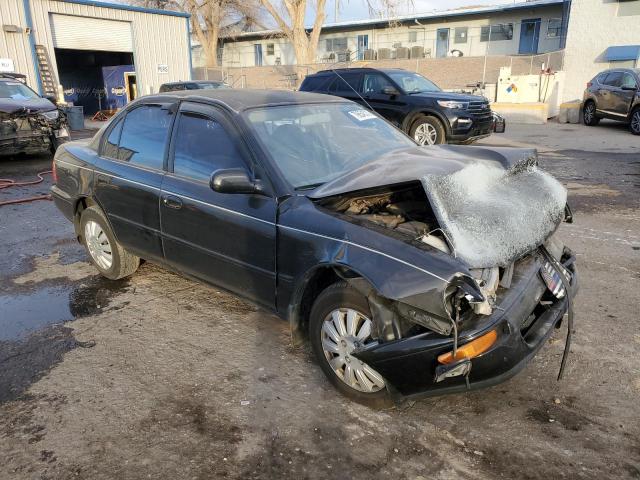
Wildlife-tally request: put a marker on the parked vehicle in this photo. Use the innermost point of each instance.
(29, 123)
(411, 270)
(613, 94)
(192, 85)
(411, 102)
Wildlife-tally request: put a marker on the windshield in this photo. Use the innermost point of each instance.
(413, 82)
(16, 91)
(313, 144)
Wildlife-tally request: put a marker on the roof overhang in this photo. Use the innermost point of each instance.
(618, 53)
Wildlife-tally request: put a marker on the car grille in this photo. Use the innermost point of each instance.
(479, 107)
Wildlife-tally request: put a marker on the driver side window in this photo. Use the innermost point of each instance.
(202, 146)
(375, 83)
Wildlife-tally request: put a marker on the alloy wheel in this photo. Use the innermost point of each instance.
(343, 331)
(589, 112)
(425, 134)
(635, 122)
(98, 245)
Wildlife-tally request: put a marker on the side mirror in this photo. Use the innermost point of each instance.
(234, 180)
(389, 90)
(52, 98)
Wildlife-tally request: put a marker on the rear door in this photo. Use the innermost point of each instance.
(346, 85)
(607, 100)
(225, 239)
(128, 176)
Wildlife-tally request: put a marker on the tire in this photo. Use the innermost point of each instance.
(589, 114)
(428, 130)
(94, 225)
(342, 298)
(634, 124)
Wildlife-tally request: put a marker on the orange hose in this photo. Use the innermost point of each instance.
(8, 182)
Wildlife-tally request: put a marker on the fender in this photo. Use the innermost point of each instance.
(411, 117)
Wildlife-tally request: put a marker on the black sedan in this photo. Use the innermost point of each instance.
(411, 269)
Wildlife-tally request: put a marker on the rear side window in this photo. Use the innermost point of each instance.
(613, 79)
(313, 84)
(144, 136)
(203, 146)
(345, 84)
(110, 147)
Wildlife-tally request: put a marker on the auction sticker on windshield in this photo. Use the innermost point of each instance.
(362, 115)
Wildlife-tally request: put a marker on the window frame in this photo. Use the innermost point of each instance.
(271, 49)
(491, 30)
(219, 116)
(413, 34)
(558, 29)
(458, 38)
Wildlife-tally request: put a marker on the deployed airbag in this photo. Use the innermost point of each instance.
(494, 213)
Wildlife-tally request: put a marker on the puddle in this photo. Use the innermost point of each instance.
(22, 313)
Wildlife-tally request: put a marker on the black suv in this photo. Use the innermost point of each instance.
(613, 94)
(29, 123)
(410, 101)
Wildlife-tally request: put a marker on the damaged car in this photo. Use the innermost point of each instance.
(29, 123)
(411, 270)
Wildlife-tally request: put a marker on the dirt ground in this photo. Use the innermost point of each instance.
(162, 377)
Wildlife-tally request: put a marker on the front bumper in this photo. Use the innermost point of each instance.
(409, 364)
(469, 128)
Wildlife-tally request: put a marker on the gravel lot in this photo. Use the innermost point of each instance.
(162, 377)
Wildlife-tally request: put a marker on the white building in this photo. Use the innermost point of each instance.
(95, 54)
(602, 34)
(530, 27)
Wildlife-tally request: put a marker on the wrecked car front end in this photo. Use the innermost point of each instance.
(454, 248)
(29, 132)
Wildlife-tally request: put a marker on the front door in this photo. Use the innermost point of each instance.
(623, 95)
(442, 42)
(223, 238)
(529, 35)
(363, 44)
(257, 54)
(129, 175)
(390, 107)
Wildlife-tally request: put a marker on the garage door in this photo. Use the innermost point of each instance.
(86, 33)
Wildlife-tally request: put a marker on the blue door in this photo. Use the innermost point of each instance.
(363, 44)
(442, 42)
(529, 35)
(257, 54)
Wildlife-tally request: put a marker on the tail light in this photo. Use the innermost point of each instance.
(54, 172)
(589, 84)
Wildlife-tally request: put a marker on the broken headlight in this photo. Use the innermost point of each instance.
(51, 116)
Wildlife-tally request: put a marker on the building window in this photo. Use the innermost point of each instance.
(460, 35)
(271, 49)
(413, 37)
(493, 33)
(336, 44)
(554, 29)
(628, 8)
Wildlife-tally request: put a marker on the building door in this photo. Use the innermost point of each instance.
(442, 42)
(529, 35)
(363, 44)
(257, 54)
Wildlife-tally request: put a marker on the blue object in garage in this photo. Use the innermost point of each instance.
(116, 85)
(75, 117)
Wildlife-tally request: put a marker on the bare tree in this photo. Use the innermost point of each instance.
(289, 15)
(212, 18)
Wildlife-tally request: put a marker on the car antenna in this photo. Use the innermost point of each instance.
(355, 91)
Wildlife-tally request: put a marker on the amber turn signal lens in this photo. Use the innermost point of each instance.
(471, 349)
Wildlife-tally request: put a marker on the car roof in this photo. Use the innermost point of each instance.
(183, 82)
(243, 98)
(359, 69)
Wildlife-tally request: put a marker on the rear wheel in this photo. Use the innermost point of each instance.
(427, 130)
(634, 125)
(589, 114)
(109, 257)
(340, 323)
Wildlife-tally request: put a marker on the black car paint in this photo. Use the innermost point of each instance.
(274, 248)
(402, 109)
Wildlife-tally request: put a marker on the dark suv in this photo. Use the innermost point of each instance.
(613, 94)
(410, 101)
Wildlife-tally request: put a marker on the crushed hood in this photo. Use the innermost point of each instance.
(494, 204)
(35, 105)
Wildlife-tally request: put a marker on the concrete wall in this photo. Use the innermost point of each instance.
(595, 25)
(240, 53)
(157, 39)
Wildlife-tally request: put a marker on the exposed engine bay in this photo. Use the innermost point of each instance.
(28, 132)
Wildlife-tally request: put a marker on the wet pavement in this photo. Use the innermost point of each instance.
(158, 376)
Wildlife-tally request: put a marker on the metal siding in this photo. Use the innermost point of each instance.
(16, 46)
(82, 33)
(157, 39)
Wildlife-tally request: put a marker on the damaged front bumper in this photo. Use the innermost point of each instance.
(31, 133)
(524, 319)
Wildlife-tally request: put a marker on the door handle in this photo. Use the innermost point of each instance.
(171, 201)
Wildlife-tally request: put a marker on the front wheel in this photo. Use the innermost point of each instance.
(634, 125)
(589, 114)
(109, 257)
(428, 130)
(340, 323)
